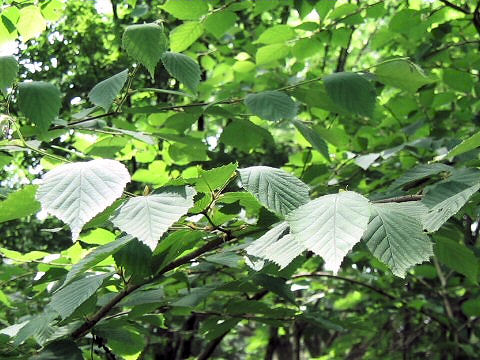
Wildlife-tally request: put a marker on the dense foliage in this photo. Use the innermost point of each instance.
(239, 179)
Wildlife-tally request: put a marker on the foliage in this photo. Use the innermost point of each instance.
(241, 179)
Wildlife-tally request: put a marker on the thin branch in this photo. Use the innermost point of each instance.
(456, 7)
(399, 199)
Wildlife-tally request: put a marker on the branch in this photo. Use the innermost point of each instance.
(399, 199)
(456, 7)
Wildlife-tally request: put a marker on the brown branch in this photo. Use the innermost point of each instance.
(399, 199)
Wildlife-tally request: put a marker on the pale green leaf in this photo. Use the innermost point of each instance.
(276, 189)
(352, 92)
(70, 297)
(186, 9)
(40, 102)
(444, 200)
(271, 105)
(183, 68)
(39, 327)
(331, 225)
(396, 238)
(149, 217)
(420, 172)
(216, 178)
(185, 35)
(31, 22)
(276, 34)
(19, 204)
(220, 22)
(107, 90)
(284, 251)
(8, 72)
(313, 138)
(269, 53)
(145, 43)
(402, 74)
(259, 247)
(76, 192)
(466, 145)
(364, 161)
(457, 257)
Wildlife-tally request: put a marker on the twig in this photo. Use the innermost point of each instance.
(399, 199)
(456, 7)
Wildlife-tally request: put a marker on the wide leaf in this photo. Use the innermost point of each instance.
(19, 204)
(313, 138)
(107, 90)
(149, 217)
(271, 105)
(76, 192)
(331, 225)
(276, 189)
(183, 68)
(8, 72)
(402, 74)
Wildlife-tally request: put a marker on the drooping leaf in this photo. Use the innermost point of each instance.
(396, 238)
(276, 189)
(8, 72)
(275, 285)
(135, 258)
(40, 102)
(457, 257)
(276, 34)
(364, 161)
(271, 105)
(402, 74)
(145, 43)
(444, 200)
(331, 225)
(219, 22)
(420, 172)
(269, 53)
(97, 255)
(148, 217)
(352, 92)
(31, 22)
(183, 68)
(66, 300)
(185, 35)
(186, 9)
(76, 192)
(59, 350)
(313, 138)
(466, 145)
(19, 204)
(107, 90)
(216, 178)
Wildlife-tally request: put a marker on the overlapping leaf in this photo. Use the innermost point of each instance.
(8, 72)
(182, 68)
(107, 90)
(271, 105)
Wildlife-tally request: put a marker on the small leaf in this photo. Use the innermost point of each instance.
(269, 53)
(313, 138)
(466, 145)
(19, 204)
(420, 172)
(364, 161)
(271, 105)
(276, 189)
(8, 72)
(276, 34)
(182, 68)
(352, 92)
(331, 225)
(145, 43)
(220, 22)
(185, 35)
(186, 9)
(457, 257)
(396, 238)
(149, 217)
(259, 247)
(76, 192)
(40, 102)
(60, 350)
(106, 91)
(402, 74)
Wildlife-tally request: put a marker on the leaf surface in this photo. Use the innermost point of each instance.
(183, 68)
(271, 105)
(107, 90)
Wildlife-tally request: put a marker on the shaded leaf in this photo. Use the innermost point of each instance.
(271, 105)
(107, 90)
(8, 72)
(183, 68)
(313, 138)
(403, 74)
(19, 204)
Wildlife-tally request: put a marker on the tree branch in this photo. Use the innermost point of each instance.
(456, 7)
(399, 199)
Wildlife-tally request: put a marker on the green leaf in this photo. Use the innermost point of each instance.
(70, 297)
(185, 35)
(31, 23)
(216, 178)
(444, 200)
(420, 172)
(269, 53)
(149, 217)
(122, 337)
(8, 72)
(194, 297)
(396, 238)
(60, 350)
(466, 145)
(284, 251)
(257, 135)
(276, 189)
(458, 80)
(259, 247)
(76, 192)
(145, 43)
(402, 74)
(271, 105)
(135, 258)
(40, 102)
(19, 204)
(313, 138)
(276, 34)
(471, 307)
(183, 68)
(38, 327)
(107, 90)
(331, 225)
(97, 255)
(220, 22)
(352, 92)
(457, 257)
(186, 9)
(276, 285)
(364, 161)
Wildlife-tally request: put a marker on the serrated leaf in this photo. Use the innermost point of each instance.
(276, 189)
(135, 258)
(107, 90)
(183, 68)
(40, 102)
(38, 327)
(186, 9)
(219, 22)
(402, 74)
(97, 255)
(396, 238)
(276, 34)
(352, 92)
(444, 200)
(284, 251)
(271, 105)
(313, 138)
(185, 35)
(19, 204)
(216, 178)
(8, 72)
(145, 43)
(466, 145)
(420, 172)
(148, 217)
(59, 350)
(259, 247)
(457, 257)
(269, 53)
(70, 297)
(331, 225)
(76, 192)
